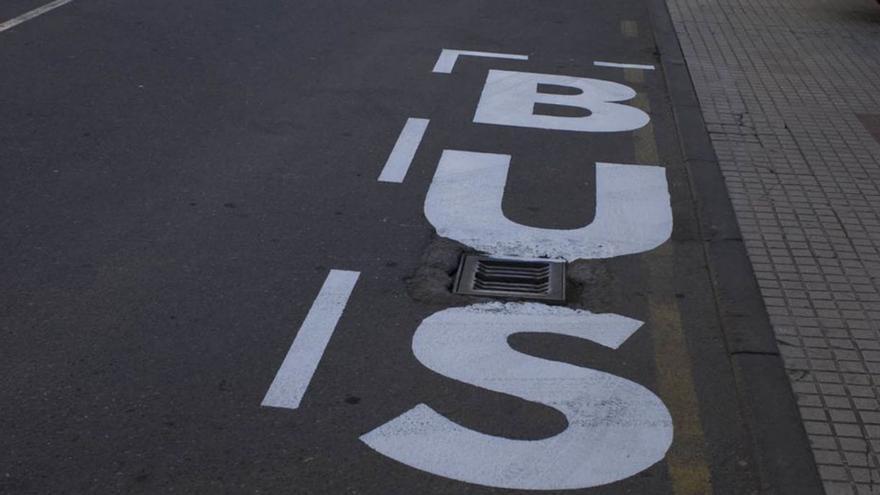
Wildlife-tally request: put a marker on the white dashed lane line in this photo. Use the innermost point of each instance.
(404, 151)
(5, 26)
(295, 374)
(623, 66)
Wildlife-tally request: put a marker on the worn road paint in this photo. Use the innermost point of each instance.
(33, 13)
(616, 427)
(633, 212)
(644, 142)
(636, 76)
(623, 66)
(509, 98)
(629, 28)
(404, 150)
(446, 60)
(298, 367)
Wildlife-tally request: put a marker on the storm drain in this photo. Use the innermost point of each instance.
(511, 278)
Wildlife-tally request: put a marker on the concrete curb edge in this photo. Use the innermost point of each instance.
(779, 440)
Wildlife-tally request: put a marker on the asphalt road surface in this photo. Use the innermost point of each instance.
(206, 287)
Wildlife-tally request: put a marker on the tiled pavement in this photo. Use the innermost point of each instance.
(789, 90)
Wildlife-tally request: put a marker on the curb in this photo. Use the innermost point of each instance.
(780, 445)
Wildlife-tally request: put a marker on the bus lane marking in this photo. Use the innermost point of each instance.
(616, 427)
(605, 440)
(299, 365)
(404, 150)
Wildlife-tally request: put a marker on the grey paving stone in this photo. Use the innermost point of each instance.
(790, 92)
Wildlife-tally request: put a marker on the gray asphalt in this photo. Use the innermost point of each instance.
(178, 178)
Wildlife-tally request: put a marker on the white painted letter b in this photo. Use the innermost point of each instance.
(509, 98)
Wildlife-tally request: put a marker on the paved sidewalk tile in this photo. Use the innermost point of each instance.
(790, 92)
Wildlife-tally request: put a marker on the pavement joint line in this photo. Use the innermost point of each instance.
(7, 25)
(305, 353)
(754, 353)
(404, 150)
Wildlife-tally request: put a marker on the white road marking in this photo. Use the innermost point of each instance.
(30, 15)
(633, 211)
(616, 427)
(623, 66)
(446, 60)
(404, 150)
(509, 98)
(308, 347)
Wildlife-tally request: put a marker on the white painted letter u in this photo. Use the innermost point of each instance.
(633, 212)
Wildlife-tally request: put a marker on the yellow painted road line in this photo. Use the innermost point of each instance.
(686, 459)
(634, 75)
(644, 141)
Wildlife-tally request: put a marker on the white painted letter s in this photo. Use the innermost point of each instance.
(616, 428)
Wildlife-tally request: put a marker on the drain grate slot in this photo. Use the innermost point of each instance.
(511, 278)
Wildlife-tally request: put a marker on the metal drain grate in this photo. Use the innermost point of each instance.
(511, 278)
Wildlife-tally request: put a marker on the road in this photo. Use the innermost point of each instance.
(207, 288)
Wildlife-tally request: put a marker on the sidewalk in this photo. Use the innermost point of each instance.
(790, 92)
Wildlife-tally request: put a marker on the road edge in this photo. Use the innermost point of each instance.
(781, 448)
